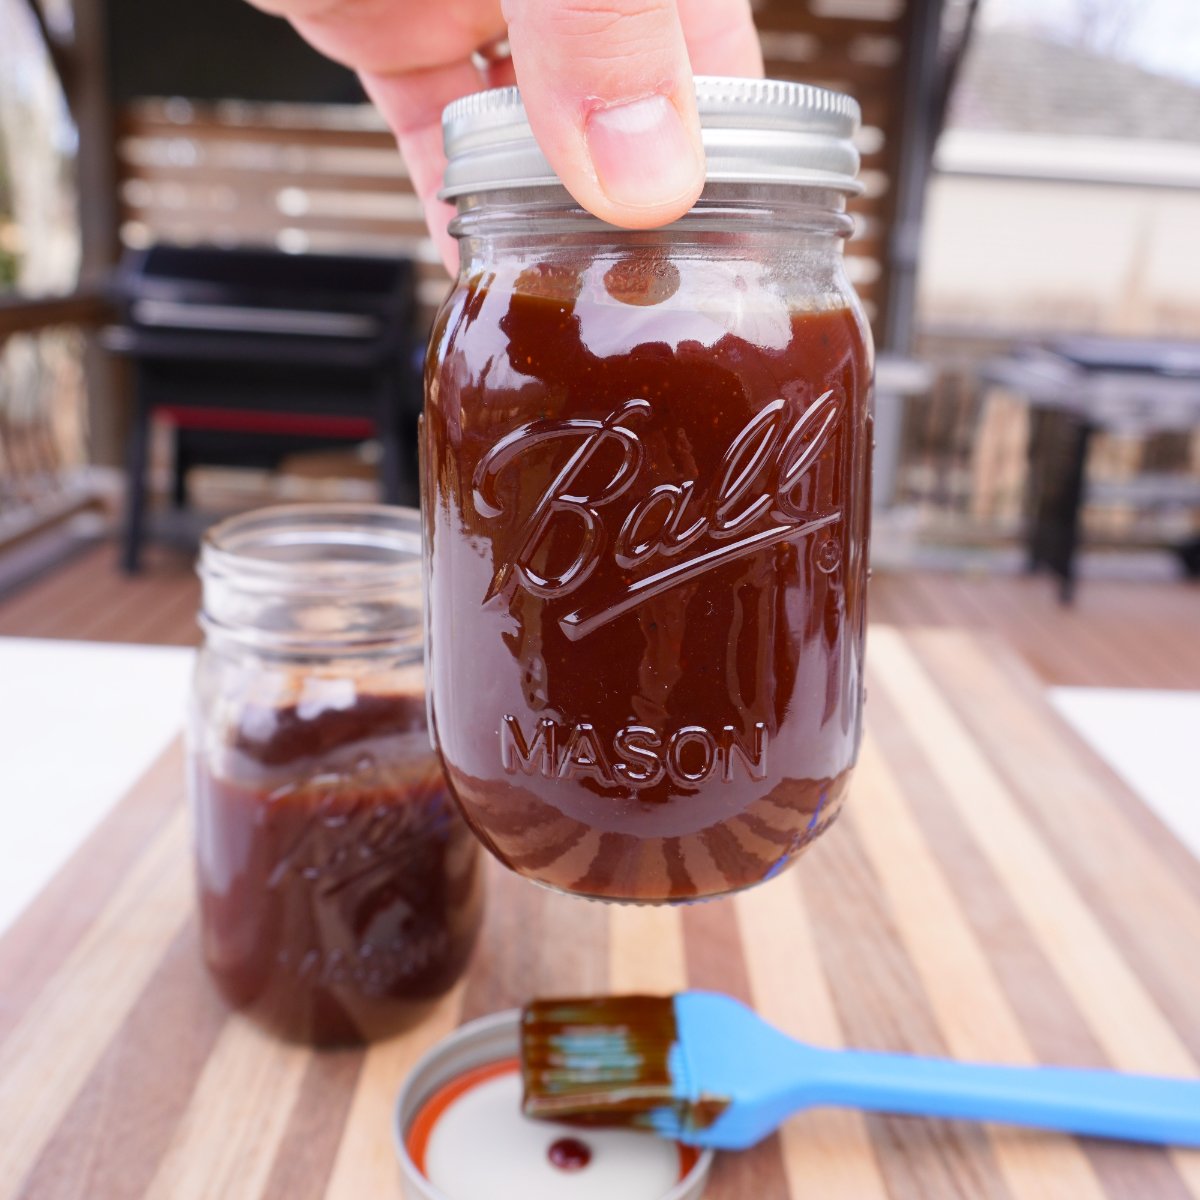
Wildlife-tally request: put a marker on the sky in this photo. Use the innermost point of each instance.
(1162, 35)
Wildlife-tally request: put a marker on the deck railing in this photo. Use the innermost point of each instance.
(43, 433)
(964, 455)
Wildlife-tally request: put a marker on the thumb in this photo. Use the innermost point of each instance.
(610, 98)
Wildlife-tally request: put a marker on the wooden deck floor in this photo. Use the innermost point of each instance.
(88, 598)
(1119, 634)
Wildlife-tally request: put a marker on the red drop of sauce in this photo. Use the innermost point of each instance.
(570, 1154)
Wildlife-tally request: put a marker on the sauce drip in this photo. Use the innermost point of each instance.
(569, 1154)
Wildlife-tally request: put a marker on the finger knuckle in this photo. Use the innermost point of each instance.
(616, 22)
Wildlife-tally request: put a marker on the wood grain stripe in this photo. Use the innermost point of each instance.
(507, 957)
(366, 1167)
(974, 1017)
(1128, 1023)
(1134, 1032)
(306, 1151)
(111, 1140)
(715, 963)
(57, 919)
(881, 1006)
(246, 1090)
(646, 950)
(51, 1052)
(574, 954)
(827, 1153)
(1023, 690)
(1052, 1024)
(1148, 910)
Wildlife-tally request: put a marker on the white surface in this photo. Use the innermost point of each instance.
(79, 723)
(515, 1166)
(1150, 739)
(1018, 253)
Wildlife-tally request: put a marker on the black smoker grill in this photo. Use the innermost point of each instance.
(252, 355)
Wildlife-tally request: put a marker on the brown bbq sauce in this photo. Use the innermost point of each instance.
(647, 554)
(339, 888)
(569, 1154)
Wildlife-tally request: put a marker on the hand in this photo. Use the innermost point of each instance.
(607, 84)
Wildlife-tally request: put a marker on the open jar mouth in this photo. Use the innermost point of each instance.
(315, 578)
(315, 547)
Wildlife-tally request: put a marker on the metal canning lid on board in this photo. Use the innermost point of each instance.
(754, 131)
(481, 1043)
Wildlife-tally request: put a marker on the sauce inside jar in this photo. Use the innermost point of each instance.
(339, 887)
(646, 501)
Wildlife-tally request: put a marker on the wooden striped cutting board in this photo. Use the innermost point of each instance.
(992, 892)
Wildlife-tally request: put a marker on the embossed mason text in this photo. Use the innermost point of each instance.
(635, 756)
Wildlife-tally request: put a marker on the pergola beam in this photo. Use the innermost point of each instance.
(953, 66)
(918, 132)
(99, 219)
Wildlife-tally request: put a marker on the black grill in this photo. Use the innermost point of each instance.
(253, 355)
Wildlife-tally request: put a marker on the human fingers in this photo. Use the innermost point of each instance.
(412, 103)
(413, 59)
(608, 88)
(721, 38)
(393, 36)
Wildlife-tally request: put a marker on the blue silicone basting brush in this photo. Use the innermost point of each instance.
(706, 1070)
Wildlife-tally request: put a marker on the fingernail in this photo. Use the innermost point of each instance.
(642, 153)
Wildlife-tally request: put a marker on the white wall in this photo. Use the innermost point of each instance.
(1058, 248)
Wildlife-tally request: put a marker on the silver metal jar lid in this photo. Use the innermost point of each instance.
(754, 131)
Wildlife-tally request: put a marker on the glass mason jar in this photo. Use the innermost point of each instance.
(645, 473)
(339, 889)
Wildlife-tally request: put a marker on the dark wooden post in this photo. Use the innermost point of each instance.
(912, 162)
(90, 99)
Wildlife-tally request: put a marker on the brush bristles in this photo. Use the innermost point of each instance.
(602, 1062)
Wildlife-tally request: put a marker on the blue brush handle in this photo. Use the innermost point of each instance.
(1094, 1103)
(725, 1049)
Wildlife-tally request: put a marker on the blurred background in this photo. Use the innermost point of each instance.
(1027, 248)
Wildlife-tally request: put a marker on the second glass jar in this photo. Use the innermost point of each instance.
(645, 462)
(339, 889)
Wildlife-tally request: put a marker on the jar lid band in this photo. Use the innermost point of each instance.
(754, 131)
